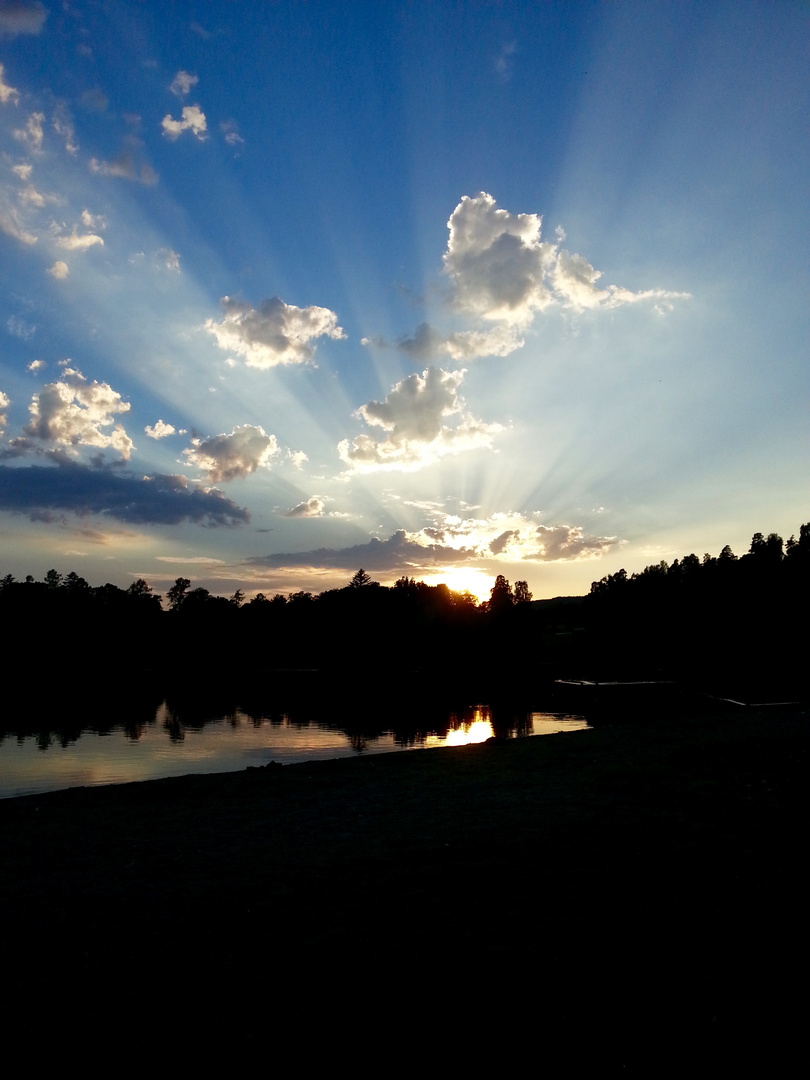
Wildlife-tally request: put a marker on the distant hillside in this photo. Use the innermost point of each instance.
(559, 602)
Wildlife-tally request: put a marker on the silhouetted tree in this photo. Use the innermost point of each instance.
(140, 588)
(522, 594)
(360, 579)
(177, 593)
(501, 597)
(75, 583)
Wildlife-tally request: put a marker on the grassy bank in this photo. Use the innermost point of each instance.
(641, 883)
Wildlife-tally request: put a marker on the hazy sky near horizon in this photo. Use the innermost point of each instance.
(444, 290)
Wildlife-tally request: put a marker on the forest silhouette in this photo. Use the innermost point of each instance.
(729, 624)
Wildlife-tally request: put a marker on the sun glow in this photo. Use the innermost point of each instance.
(461, 579)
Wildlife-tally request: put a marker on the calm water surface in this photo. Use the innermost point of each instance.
(166, 746)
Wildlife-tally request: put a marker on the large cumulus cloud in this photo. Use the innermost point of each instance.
(232, 457)
(274, 332)
(424, 418)
(501, 275)
(500, 268)
(496, 261)
(72, 412)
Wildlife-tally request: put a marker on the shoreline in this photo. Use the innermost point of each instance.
(663, 856)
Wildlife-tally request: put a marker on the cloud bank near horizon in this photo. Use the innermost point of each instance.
(453, 541)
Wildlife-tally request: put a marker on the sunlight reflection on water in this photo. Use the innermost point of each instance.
(48, 761)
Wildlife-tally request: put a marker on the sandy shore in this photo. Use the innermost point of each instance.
(635, 887)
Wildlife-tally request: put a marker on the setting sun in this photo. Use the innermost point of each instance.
(462, 580)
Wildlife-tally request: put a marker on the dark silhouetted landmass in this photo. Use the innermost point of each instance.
(728, 625)
(630, 897)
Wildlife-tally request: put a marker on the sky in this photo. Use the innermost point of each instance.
(437, 290)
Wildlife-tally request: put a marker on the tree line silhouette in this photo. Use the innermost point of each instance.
(723, 622)
(738, 624)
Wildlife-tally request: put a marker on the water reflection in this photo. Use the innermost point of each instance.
(55, 749)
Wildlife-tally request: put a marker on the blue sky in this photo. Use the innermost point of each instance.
(445, 290)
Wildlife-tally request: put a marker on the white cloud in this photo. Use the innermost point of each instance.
(560, 542)
(12, 226)
(72, 413)
(20, 328)
(23, 171)
(5, 401)
(231, 134)
(59, 270)
(74, 242)
(574, 281)
(93, 221)
(35, 365)
(274, 333)
(510, 537)
(311, 508)
(504, 60)
(31, 134)
(415, 414)
(297, 457)
(182, 83)
(496, 261)
(29, 196)
(160, 430)
(193, 120)
(21, 17)
(7, 93)
(63, 125)
(500, 269)
(231, 457)
(168, 258)
(161, 259)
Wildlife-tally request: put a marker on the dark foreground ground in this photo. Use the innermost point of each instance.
(632, 895)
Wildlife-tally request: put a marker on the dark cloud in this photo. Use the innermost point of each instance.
(21, 17)
(94, 100)
(395, 555)
(157, 500)
(125, 167)
(426, 343)
(499, 543)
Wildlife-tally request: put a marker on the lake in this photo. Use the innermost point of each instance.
(48, 753)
